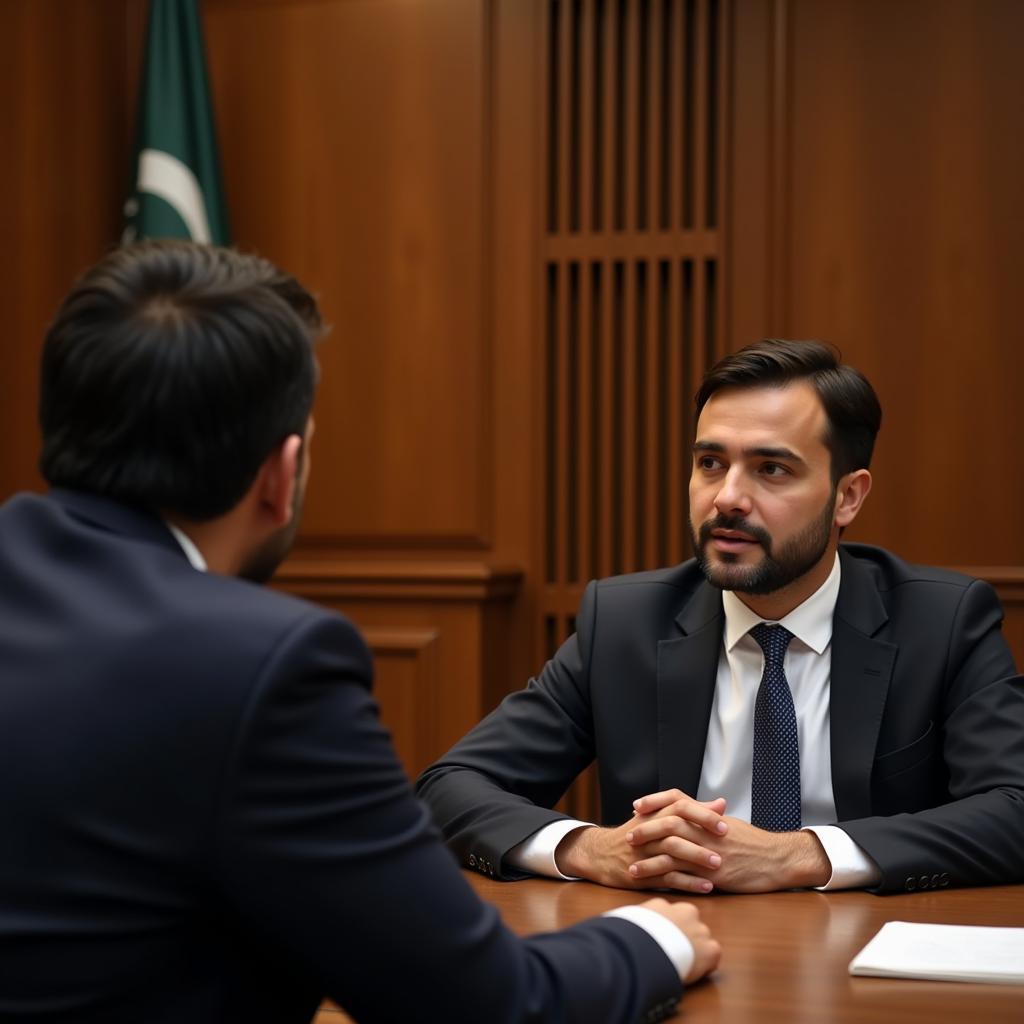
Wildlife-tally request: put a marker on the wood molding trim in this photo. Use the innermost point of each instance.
(399, 642)
(407, 686)
(779, 169)
(331, 580)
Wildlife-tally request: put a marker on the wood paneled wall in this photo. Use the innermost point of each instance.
(67, 112)
(354, 138)
(877, 204)
(533, 223)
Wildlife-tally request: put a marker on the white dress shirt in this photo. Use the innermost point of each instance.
(185, 542)
(728, 753)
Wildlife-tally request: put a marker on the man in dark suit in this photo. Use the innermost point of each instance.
(779, 676)
(202, 817)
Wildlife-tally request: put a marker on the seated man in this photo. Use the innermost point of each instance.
(202, 817)
(781, 676)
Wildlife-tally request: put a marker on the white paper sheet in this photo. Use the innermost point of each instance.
(944, 952)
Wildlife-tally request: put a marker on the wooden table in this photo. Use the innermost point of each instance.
(785, 955)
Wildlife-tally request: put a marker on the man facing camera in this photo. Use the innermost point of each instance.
(782, 711)
(202, 817)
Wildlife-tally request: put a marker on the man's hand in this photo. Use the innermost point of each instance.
(751, 859)
(606, 855)
(685, 916)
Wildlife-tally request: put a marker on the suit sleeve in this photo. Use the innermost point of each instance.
(975, 836)
(497, 786)
(324, 850)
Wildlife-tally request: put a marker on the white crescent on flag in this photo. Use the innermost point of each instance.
(166, 176)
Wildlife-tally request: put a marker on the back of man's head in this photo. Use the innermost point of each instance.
(171, 371)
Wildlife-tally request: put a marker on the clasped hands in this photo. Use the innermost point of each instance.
(676, 842)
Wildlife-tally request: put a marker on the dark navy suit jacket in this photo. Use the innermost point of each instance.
(927, 721)
(202, 819)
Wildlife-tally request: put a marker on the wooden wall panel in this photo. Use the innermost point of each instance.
(406, 686)
(517, 190)
(66, 115)
(355, 142)
(917, 279)
(896, 235)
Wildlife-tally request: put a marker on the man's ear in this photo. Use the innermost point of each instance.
(277, 480)
(850, 494)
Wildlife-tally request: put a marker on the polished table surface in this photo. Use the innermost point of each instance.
(785, 955)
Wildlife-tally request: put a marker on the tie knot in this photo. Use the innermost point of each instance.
(773, 640)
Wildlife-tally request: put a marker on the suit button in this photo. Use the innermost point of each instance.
(472, 860)
(924, 881)
(944, 878)
(910, 884)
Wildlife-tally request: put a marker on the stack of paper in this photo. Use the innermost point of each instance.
(944, 952)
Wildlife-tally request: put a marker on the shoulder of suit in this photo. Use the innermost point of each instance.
(889, 571)
(228, 597)
(238, 629)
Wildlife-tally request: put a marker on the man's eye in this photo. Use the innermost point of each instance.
(708, 462)
(774, 469)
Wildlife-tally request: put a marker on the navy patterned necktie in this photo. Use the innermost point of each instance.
(775, 782)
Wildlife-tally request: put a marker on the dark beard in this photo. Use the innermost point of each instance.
(261, 565)
(794, 559)
(264, 561)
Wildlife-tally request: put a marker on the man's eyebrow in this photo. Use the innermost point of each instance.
(761, 451)
(767, 452)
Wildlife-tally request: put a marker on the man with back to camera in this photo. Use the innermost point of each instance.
(859, 717)
(203, 819)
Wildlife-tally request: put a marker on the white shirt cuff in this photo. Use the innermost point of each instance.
(674, 944)
(536, 854)
(852, 868)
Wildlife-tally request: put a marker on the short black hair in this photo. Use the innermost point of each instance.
(171, 371)
(850, 403)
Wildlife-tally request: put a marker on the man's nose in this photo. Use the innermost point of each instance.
(733, 497)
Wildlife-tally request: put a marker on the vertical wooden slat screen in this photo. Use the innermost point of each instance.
(635, 102)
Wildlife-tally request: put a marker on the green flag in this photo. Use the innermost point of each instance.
(177, 182)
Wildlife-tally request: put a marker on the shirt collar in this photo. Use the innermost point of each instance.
(192, 553)
(810, 622)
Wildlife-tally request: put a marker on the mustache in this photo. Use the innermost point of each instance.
(738, 523)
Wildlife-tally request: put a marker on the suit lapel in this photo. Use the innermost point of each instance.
(861, 672)
(687, 671)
